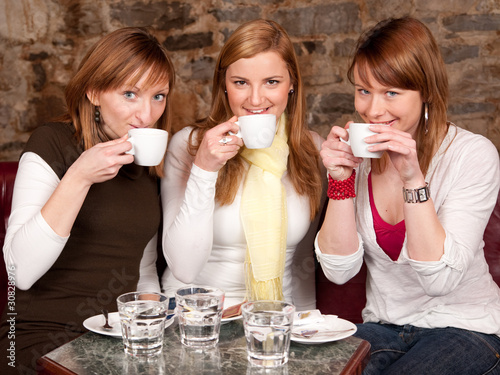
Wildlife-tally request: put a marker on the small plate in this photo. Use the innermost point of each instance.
(228, 302)
(96, 322)
(227, 320)
(332, 323)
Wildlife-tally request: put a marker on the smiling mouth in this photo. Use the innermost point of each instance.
(257, 111)
(383, 123)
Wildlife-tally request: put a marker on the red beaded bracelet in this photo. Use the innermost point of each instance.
(341, 189)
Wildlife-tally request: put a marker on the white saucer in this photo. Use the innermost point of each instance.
(227, 320)
(96, 322)
(331, 323)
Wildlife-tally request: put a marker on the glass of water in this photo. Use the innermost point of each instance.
(142, 318)
(199, 312)
(268, 327)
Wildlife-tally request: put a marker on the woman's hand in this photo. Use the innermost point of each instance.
(337, 155)
(402, 150)
(102, 162)
(213, 154)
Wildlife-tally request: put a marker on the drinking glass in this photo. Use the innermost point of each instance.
(142, 319)
(268, 327)
(199, 312)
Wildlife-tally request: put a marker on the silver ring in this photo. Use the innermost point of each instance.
(224, 141)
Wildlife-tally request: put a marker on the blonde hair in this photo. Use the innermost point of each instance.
(248, 40)
(403, 53)
(119, 58)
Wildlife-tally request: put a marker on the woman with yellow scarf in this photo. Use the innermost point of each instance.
(242, 219)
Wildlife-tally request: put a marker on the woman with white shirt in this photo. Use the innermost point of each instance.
(84, 221)
(213, 180)
(416, 216)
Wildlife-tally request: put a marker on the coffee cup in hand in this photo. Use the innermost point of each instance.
(357, 133)
(257, 131)
(148, 145)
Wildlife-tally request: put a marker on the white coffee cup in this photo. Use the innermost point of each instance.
(357, 133)
(148, 145)
(257, 131)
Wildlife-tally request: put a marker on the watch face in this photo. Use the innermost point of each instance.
(422, 195)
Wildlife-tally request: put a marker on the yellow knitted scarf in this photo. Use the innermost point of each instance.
(264, 217)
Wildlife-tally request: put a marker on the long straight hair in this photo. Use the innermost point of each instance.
(403, 53)
(248, 40)
(119, 58)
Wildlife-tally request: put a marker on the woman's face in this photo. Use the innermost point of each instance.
(131, 107)
(379, 104)
(258, 85)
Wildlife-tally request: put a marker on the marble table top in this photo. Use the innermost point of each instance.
(92, 353)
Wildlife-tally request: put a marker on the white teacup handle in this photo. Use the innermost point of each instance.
(132, 150)
(343, 140)
(239, 131)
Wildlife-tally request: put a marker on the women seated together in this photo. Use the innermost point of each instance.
(85, 219)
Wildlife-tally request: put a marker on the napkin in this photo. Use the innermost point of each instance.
(327, 324)
(303, 318)
(231, 311)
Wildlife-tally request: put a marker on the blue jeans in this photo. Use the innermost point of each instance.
(405, 350)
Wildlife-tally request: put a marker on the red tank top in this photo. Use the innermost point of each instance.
(389, 237)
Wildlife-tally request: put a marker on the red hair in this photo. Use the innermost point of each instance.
(403, 53)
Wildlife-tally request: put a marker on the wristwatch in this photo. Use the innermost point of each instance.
(422, 194)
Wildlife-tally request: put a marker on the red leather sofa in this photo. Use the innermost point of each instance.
(8, 172)
(348, 300)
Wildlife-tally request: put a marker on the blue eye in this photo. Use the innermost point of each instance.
(129, 95)
(392, 93)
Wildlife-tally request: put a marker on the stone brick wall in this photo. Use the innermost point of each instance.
(42, 42)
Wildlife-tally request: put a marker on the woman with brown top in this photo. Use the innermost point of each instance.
(84, 221)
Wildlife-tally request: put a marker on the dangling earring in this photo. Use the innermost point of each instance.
(97, 115)
(291, 91)
(426, 117)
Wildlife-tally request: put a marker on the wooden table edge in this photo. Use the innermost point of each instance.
(49, 367)
(358, 360)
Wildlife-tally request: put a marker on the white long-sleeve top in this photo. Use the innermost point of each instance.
(31, 244)
(457, 290)
(204, 243)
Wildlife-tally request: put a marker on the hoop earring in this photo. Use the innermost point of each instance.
(426, 117)
(97, 115)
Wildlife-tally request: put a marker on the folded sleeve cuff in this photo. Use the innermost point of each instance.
(340, 268)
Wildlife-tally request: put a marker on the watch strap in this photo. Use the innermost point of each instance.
(419, 195)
